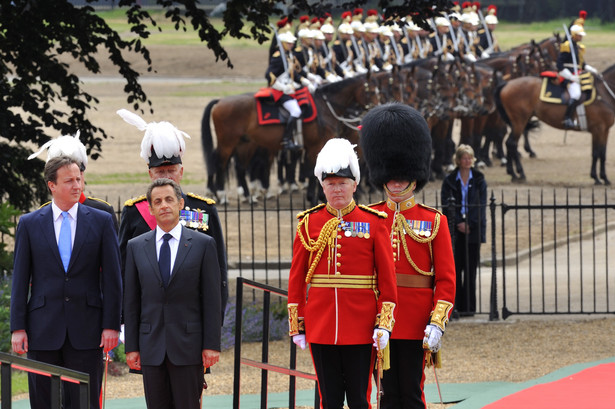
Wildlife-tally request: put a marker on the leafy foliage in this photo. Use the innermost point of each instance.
(41, 98)
(252, 323)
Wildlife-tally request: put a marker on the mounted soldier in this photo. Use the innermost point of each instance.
(570, 64)
(284, 75)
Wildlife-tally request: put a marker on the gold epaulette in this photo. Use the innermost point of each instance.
(481, 31)
(45, 204)
(203, 198)
(337, 42)
(581, 46)
(312, 210)
(404, 41)
(374, 211)
(433, 209)
(99, 200)
(432, 35)
(134, 200)
(565, 47)
(298, 49)
(377, 203)
(276, 54)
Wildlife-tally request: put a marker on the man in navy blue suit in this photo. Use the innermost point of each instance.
(67, 289)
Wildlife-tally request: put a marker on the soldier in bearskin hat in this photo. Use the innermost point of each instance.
(397, 148)
(342, 253)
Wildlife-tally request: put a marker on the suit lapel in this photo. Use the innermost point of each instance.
(149, 249)
(81, 231)
(46, 221)
(185, 244)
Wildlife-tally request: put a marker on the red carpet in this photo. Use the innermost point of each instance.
(592, 388)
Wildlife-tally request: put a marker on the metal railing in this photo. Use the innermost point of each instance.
(529, 264)
(58, 374)
(264, 364)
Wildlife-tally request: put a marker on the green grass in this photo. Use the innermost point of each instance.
(509, 34)
(512, 34)
(19, 383)
(165, 33)
(135, 178)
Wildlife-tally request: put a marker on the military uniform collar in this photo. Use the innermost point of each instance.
(401, 206)
(341, 212)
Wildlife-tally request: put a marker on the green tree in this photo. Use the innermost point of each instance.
(36, 34)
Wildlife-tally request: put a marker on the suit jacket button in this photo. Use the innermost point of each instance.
(67, 299)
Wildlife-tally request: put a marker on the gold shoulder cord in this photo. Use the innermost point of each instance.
(327, 233)
(401, 226)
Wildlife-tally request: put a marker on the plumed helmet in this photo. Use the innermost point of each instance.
(442, 22)
(491, 19)
(67, 145)
(162, 144)
(287, 37)
(396, 144)
(577, 29)
(337, 158)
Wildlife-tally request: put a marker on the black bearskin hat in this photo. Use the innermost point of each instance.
(396, 144)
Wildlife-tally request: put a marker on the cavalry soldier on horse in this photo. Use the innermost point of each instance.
(486, 39)
(342, 48)
(283, 74)
(442, 41)
(570, 63)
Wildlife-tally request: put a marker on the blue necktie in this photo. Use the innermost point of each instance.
(64, 241)
(164, 260)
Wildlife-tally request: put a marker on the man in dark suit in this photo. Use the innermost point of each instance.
(162, 148)
(171, 304)
(67, 289)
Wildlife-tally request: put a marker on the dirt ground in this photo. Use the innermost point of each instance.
(187, 78)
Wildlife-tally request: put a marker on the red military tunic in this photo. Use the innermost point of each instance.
(424, 265)
(352, 276)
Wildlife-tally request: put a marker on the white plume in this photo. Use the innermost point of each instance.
(164, 137)
(67, 145)
(338, 153)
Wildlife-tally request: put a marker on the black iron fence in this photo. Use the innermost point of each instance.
(546, 250)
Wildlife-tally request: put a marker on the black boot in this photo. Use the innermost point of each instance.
(568, 122)
(287, 139)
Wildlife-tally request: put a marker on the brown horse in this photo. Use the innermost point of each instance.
(518, 100)
(236, 126)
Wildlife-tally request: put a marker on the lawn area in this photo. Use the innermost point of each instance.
(509, 34)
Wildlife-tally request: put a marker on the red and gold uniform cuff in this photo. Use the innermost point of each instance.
(385, 319)
(439, 315)
(295, 323)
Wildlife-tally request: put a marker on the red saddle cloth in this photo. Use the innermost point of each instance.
(268, 110)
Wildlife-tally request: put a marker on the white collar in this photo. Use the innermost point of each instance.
(176, 232)
(57, 212)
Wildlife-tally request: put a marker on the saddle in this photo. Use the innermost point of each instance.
(553, 89)
(270, 112)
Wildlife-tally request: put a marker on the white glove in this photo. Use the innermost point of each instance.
(591, 69)
(484, 54)
(568, 75)
(348, 74)
(433, 338)
(449, 57)
(470, 57)
(299, 340)
(381, 343)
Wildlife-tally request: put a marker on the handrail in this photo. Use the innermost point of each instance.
(9, 362)
(265, 367)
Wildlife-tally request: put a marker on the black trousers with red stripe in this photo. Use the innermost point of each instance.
(343, 371)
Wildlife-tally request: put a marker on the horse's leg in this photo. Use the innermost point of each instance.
(526, 144)
(513, 159)
(599, 155)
